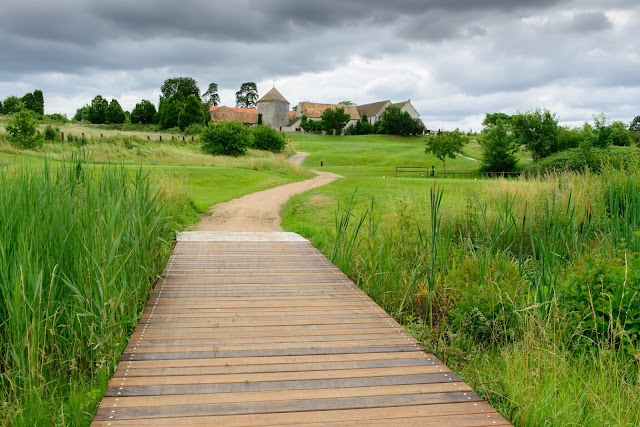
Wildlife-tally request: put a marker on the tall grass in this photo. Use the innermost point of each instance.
(533, 292)
(80, 249)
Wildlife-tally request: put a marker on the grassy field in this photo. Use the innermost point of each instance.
(528, 288)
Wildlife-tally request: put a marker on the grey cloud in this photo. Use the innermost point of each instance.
(590, 21)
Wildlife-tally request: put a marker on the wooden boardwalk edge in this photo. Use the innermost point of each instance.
(261, 329)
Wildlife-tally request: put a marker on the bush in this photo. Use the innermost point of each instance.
(579, 159)
(194, 129)
(267, 138)
(23, 131)
(50, 134)
(602, 297)
(226, 138)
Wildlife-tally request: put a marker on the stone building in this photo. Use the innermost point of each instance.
(274, 109)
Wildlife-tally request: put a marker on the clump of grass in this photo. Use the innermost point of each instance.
(80, 251)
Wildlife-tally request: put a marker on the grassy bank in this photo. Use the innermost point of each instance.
(528, 288)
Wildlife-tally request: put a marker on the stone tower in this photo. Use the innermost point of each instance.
(274, 109)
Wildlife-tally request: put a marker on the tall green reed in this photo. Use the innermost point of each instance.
(80, 248)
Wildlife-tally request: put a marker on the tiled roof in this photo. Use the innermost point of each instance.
(314, 111)
(242, 115)
(273, 96)
(372, 110)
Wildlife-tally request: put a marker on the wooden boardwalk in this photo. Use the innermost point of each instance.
(261, 329)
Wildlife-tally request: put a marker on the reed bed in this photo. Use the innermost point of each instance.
(80, 249)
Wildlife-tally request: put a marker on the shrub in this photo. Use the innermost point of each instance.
(602, 297)
(226, 138)
(50, 134)
(22, 131)
(194, 129)
(267, 138)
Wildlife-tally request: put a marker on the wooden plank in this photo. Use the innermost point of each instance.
(437, 415)
(271, 333)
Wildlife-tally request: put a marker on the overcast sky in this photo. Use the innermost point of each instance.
(455, 59)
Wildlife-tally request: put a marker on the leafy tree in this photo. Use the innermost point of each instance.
(0, 107)
(346, 103)
(310, 126)
(396, 122)
(12, 104)
(97, 113)
(34, 101)
(538, 131)
(498, 147)
(169, 113)
(634, 126)
(211, 97)
(446, 144)
(247, 96)
(267, 138)
(491, 119)
(183, 85)
(226, 138)
(620, 135)
(602, 133)
(23, 130)
(143, 113)
(191, 113)
(334, 120)
(82, 113)
(115, 113)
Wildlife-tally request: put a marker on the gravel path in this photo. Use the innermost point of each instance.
(260, 211)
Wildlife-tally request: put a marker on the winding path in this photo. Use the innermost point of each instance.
(260, 211)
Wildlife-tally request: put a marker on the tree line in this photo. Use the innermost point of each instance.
(538, 131)
(181, 105)
(31, 101)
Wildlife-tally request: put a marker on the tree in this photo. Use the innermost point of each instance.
(620, 135)
(82, 113)
(183, 85)
(267, 138)
(493, 118)
(346, 103)
(34, 101)
(634, 126)
(247, 96)
(396, 122)
(191, 113)
(23, 130)
(143, 113)
(226, 138)
(446, 144)
(115, 114)
(12, 104)
(169, 113)
(498, 147)
(538, 131)
(97, 113)
(334, 120)
(211, 97)
(310, 126)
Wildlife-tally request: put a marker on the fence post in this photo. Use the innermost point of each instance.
(182, 138)
(62, 136)
(148, 138)
(160, 138)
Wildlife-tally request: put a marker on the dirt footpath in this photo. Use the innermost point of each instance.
(260, 211)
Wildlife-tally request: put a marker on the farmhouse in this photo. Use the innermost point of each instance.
(313, 111)
(273, 108)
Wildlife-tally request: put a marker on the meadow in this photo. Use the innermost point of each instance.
(529, 288)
